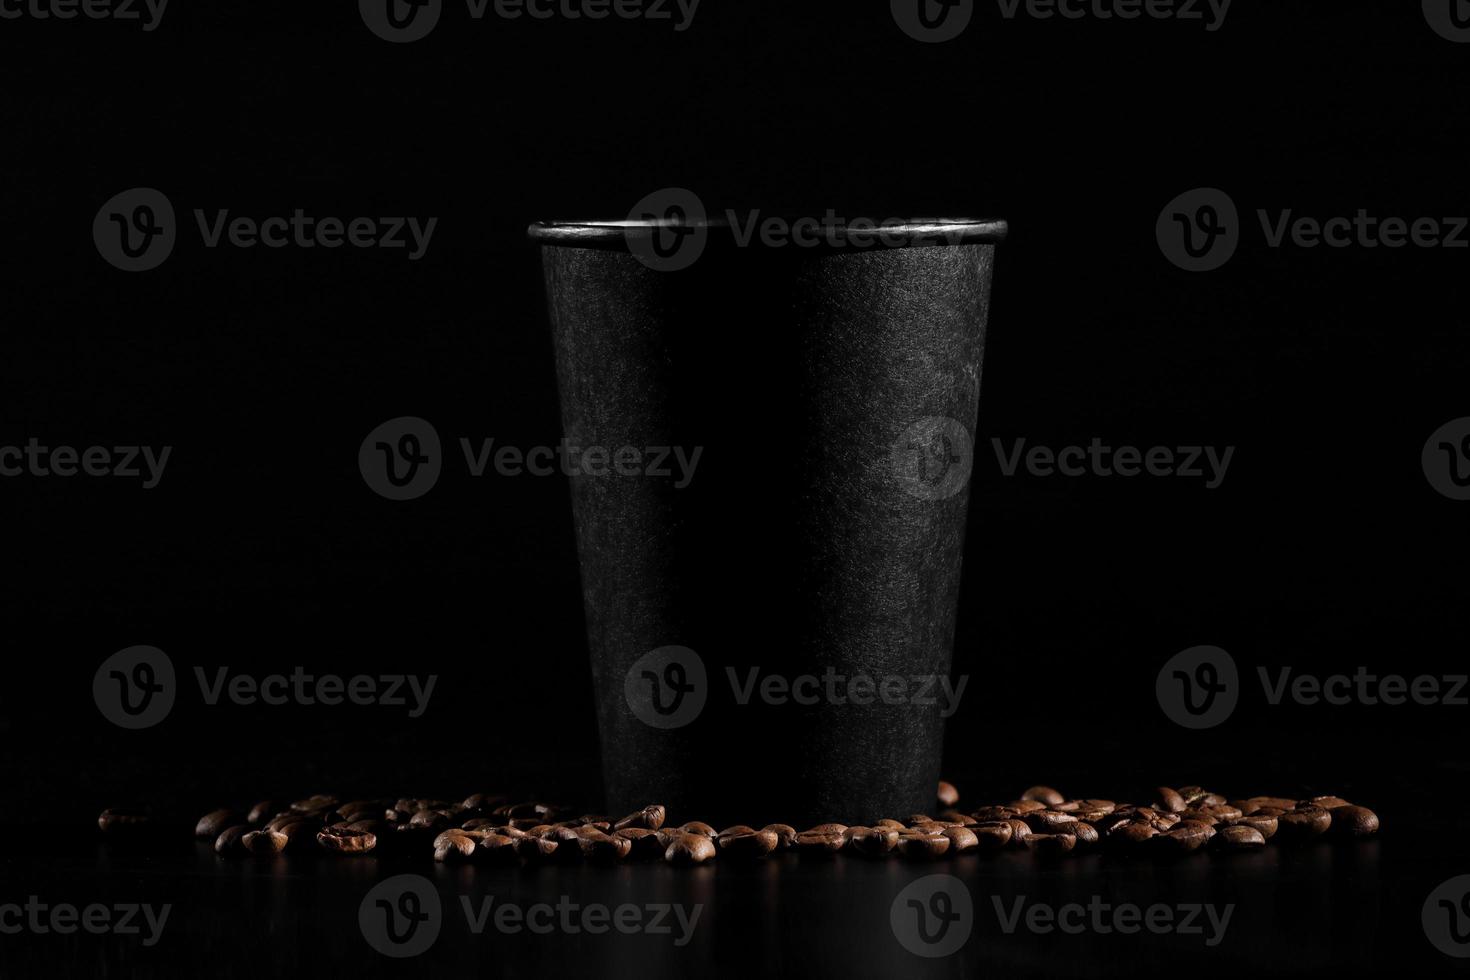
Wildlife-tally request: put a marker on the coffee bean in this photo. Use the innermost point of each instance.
(689, 849)
(1132, 833)
(1351, 821)
(495, 849)
(607, 849)
(992, 835)
(923, 847)
(1184, 839)
(120, 820)
(345, 841)
(483, 801)
(1066, 806)
(947, 795)
(1169, 800)
(260, 812)
(1196, 826)
(873, 842)
(962, 840)
(893, 824)
(1048, 821)
(827, 828)
(211, 824)
(739, 828)
(1303, 823)
(644, 844)
(698, 827)
(820, 842)
(649, 818)
(1044, 795)
(1238, 837)
(453, 847)
(300, 833)
(1024, 807)
(1264, 825)
(756, 844)
(1051, 845)
(228, 843)
(1328, 803)
(314, 804)
(435, 820)
(1019, 832)
(785, 835)
(990, 814)
(1085, 833)
(536, 849)
(264, 843)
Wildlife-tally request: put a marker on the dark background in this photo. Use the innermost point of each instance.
(1325, 549)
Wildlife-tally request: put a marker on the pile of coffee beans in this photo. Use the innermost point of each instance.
(488, 829)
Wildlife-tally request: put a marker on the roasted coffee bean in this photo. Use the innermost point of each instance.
(644, 844)
(483, 801)
(434, 820)
(1019, 832)
(947, 795)
(989, 814)
(1066, 806)
(1102, 806)
(1135, 832)
(264, 843)
(1085, 833)
(1044, 795)
(1353, 821)
(649, 818)
(453, 847)
(281, 820)
(923, 847)
(1181, 840)
(739, 828)
(1051, 845)
(1049, 821)
(345, 841)
(260, 812)
(211, 824)
(300, 833)
(1264, 825)
(537, 849)
(873, 842)
(1169, 800)
(893, 824)
(827, 828)
(316, 803)
(1237, 837)
(955, 818)
(820, 842)
(1198, 816)
(495, 849)
(687, 849)
(228, 843)
(962, 840)
(607, 848)
(699, 827)
(785, 835)
(1196, 826)
(120, 820)
(1327, 803)
(1023, 807)
(479, 823)
(756, 844)
(1222, 812)
(992, 835)
(1303, 823)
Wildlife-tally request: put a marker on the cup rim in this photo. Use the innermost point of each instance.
(893, 233)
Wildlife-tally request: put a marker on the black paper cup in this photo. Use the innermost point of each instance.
(771, 621)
